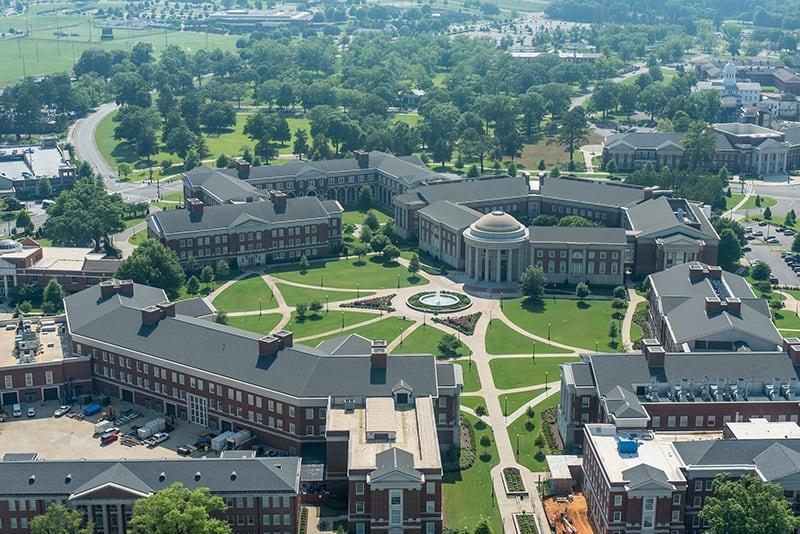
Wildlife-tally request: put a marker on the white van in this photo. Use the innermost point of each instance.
(16, 410)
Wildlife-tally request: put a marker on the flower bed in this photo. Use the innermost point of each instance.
(463, 302)
(526, 524)
(463, 457)
(548, 423)
(375, 303)
(303, 520)
(463, 323)
(513, 480)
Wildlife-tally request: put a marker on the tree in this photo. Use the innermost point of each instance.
(192, 267)
(44, 188)
(24, 221)
(371, 220)
(221, 317)
(486, 442)
(483, 527)
(532, 283)
(761, 270)
(303, 264)
(179, 510)
(315, 306)
(300, 142)
(473, 172)
(748, 505)
(58, 519)
(730, 250)
(555, 171)
(53, 296)
(613, 330)
(611, 166)
(796, 243)
(530, 413)
(620, 292)
(605, 97)
(217, 116)
(193, 285)
(366, 234)
(153, 264)
(574, 129)
(365, 198)
(222, 270)
(539, 442)
(301, 309)
(84, 214)
(207, 275)
(390, 253)
(378, 242)
(125, 169)
(449, 345)
(767, 213)
(758, 201)
(480, 410)
(413, 263)
(582, 291)
(700, 146)
(179, 141)
(359, 250)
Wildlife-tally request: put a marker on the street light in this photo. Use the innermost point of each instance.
(358, 289)
(517, 444)
(259, 307)
(327, 304)
(545, 380)
(533, 355)
(342, 320)
(398, 281)
(548, 330)
(321, 280)
(505, 409)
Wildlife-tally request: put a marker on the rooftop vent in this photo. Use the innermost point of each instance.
(162, 477)
(233, 475)
(197, 476)
(31, 479)
(68, 478)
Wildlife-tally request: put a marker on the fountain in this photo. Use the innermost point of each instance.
(439, 301)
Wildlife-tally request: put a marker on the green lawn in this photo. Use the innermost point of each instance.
(358, 216)
(527, 435)
(766, 202)
(137, 238)
(42, 53)
(501, 339)
(732, 200)
(387, 329)
(116, 152)
(295, 294)
(473, 401)
(248, 294)
(263, 324)
(409, 118)
(131, 221)
(571, 322)
(369, 273)
(472, 382)
(468, 494)
(317, 324)
(425, 340)
(510, 373)
(517, 400)
(786, 319)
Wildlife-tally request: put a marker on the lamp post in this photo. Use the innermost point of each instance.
(548, 330)
(342, 320)
(327, 304)
(517, 444)
(595, 345)
(358, 289)
(321, 280)
(259, 307)
(501, 300)
(505, 408)
(545, 380)
(533, 354)
(398, 281)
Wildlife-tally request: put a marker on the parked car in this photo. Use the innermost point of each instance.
(758, 233)
(109, 437)
(746, 249)
(762, 223)
(773, 240)
(31, 412)
(16, 410)
(748, 229)
(773, 280)
(62, 410)
(158, 437)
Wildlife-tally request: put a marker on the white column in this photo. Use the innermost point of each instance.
(119, 519)
(508, 265)
(104, 511)
(468, 260)
(476, 272)
(499, 266)
(486, 265)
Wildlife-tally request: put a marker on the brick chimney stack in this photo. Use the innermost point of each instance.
(286, 338)
(151, 315)
(195, 206)
(378, 355)
(243, 169)
(279, 200)
(112, 287)
(268, 346)
(362, 157)
(653, 352)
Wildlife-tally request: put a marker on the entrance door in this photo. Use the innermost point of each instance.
(50, 394)
(10, 398)
(171, 410)
(30, 396)
(127, 396)
(226, 426)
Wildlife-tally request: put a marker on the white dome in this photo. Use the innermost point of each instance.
(497, 222)
(729, 69)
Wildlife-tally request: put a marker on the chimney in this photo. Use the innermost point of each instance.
(268, 346)
(648, 192)
(167, 309)
(151, 315)
(378, 355)
(714, 272)
(112, 287)
(791, 346)
(195, 206)
(107, 289)
(362, 157)
(734, 305)
(713, 305)
(286, 338)
(653, 352)
(243, 169)
(125, 287)
(278, 200)
(696, 273)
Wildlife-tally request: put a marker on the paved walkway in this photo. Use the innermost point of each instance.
(490, 307)
(627, 322)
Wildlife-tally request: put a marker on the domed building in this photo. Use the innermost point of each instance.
(495, 248)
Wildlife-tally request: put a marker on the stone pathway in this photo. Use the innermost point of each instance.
(490, 307)
(633, 300)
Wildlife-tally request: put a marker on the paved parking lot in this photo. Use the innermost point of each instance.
(770, 254)
(64, 438)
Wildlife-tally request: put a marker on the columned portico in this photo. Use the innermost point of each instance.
(495, 248)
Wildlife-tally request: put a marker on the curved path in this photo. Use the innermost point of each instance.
(490, 307)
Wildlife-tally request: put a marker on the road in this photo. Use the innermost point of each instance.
(82, 136)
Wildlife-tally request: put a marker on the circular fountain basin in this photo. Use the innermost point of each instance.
(439, 301)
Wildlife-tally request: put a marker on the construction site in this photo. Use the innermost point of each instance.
(568, 514)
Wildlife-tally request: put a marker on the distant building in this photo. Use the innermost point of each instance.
(23, 168)
(745, 93)
(696, 307)
(74, 268)
(241, 20)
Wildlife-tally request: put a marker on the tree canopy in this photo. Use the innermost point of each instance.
(155, 265)
(179, 510)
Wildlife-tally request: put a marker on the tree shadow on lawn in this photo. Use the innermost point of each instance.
(125, 153)
(541, 306)
(311, 317)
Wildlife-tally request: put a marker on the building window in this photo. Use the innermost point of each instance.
(671, 421)
(656, 421)
(617, 517)
(709, 484)
(359, 507)
(698, 485)
(359, 488)
(698, 420)
(676, 499)
(430, 488)
(676, 516)
(395, 508)
(9, 381)
(617, 500)
(585, 400)
(684, 421)
(697, 502)
(430, 507)
(28, 379)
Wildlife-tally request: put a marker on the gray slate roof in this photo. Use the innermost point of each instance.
(683, 304)
(299, 371)
(656, 218)
(582, 373)
(601, 193)
(589, 235)
(351, 344)
(227, 215)
(74, 476)
(453, 215)
(394, 459)
(472, 190)
(775, 459)
(197, 307)
(622, 403)
(221, 185)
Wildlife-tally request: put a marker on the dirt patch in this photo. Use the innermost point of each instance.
(574, 511)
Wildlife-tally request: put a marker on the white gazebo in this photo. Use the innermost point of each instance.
(496, 246)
